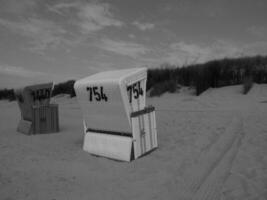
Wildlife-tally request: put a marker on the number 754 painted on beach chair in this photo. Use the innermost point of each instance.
(117, 123)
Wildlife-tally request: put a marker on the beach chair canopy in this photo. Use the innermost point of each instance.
(33, 95)
(108, 98)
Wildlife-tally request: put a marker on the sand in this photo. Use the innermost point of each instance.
(213, 146)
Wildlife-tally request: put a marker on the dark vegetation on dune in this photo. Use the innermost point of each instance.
(64, 88)
(168, 78)
(7, 94)
(213, 74)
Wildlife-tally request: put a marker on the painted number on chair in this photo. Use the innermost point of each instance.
(96, 94)
(134, 91)
(40, 94)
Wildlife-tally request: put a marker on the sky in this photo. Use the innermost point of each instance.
(58, 40)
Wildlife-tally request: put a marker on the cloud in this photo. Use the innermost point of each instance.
(123, 48)
(132, 36)
(60, 8)
(95, 17)
(143, 26)
(13, 76)
(196, 8)
(91, 17)
(17, 7)
(258, 31)
(20, 71)
(183, 53)
(255, 48)
(43, 33)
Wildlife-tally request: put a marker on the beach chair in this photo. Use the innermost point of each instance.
(37, 114)
(117, 123)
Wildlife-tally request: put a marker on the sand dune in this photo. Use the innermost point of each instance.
(213, 146)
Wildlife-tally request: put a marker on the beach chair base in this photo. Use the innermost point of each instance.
(110, 146)
(25, 127)
(44, 120)
(124, 146)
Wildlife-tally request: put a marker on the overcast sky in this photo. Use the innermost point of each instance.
(61, 39)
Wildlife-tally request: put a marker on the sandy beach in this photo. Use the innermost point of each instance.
(212, 146)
